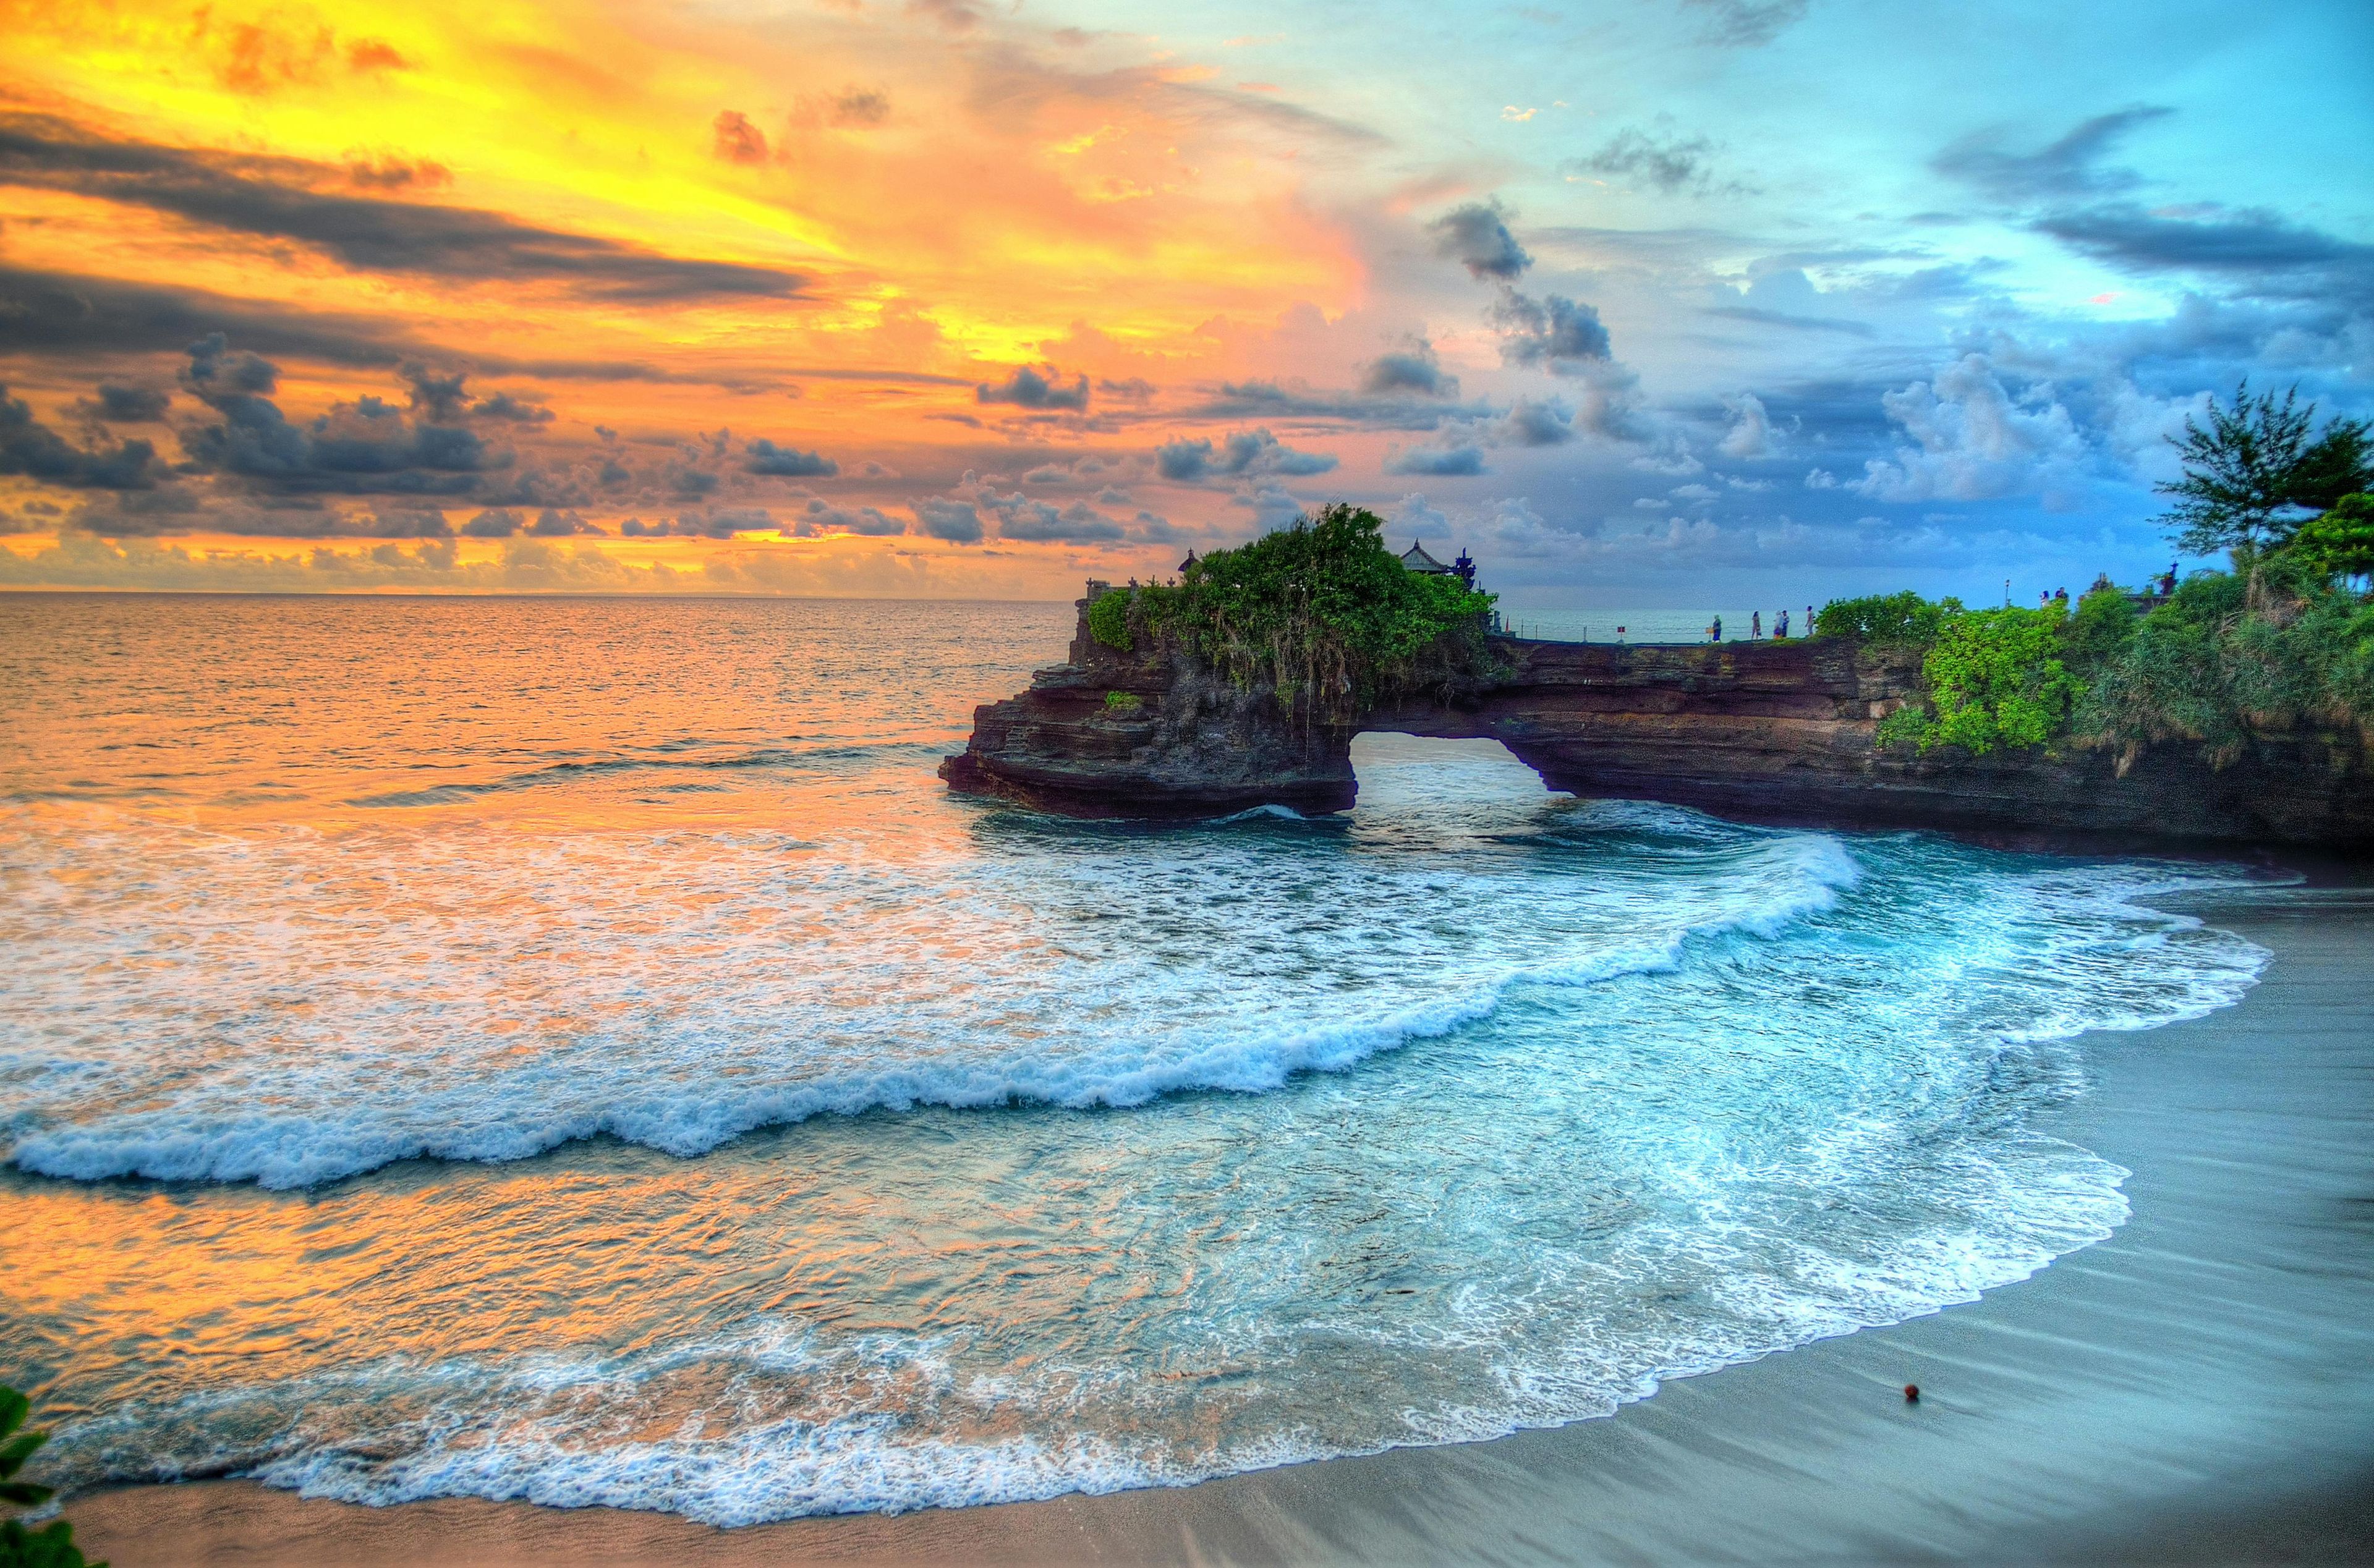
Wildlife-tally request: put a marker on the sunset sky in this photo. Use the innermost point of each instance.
(1643, 301)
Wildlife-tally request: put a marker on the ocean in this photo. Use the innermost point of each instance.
(576, 1050)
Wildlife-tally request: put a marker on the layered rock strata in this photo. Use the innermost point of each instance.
(1774, 732)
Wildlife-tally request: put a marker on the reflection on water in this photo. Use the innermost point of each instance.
(594, 1061)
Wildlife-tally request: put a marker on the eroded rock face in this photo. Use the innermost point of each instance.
(1775, 732)
(1197, 747)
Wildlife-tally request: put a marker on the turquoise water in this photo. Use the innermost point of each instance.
(577, 1052)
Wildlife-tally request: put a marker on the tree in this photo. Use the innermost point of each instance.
(2339, 465)
(2255, 466)
(2340, 542)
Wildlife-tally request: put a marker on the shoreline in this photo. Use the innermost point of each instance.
(2199, 1388)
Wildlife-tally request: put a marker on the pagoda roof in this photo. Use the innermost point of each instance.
(1417, 560)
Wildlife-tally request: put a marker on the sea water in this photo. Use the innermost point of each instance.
(577, 1051)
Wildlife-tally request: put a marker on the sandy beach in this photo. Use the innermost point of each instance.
(2198, 1388)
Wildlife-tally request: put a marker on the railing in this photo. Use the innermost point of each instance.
(1643, 628)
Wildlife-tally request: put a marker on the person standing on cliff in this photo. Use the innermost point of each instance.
(1755, 623)
(1715, 630)
(1781, 627)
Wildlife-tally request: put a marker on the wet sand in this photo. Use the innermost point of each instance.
(2198, 1388)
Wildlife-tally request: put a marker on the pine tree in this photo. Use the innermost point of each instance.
(2255, 467)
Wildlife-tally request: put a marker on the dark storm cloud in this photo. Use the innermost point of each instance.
(1554, 331)
(1669, 163)
(434, 396)
(854, 520)
(511, 410)
(1411, 369)
(2255, 246)
(1246, 453)
(1438, 462)
(1267, 400)
(555, 523)
(1793, 323)
(1079, 524)
(176, 510)
(62, 314)
(2069, 167)
(131, 405)
(1029, 388)
(31, 448)
(723, 522)
(1531, 424)
(284, 198)
(387, 524)
(495, 523)
(1748, 23)
(943, 516)
(366, 446)
(1476, 235)
(785, 462)
(860, 107)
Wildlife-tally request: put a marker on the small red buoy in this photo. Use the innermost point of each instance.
(1912, 1393)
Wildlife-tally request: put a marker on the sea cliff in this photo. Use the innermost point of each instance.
(1774, 731)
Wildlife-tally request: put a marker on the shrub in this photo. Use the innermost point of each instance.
(2339, 542)
(1124, 702)
(2229, 655)
(1898, 618)
(1109, 620)
(1996, 678)
(1905, 727)
(2102, 624)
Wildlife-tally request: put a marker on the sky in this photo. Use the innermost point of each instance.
(1642, 302)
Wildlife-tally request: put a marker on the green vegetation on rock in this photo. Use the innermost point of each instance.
(1109, 619)
(1998, 678)
(2282, 648)
(2280, 644)
(1322, 611)
(1124, 702)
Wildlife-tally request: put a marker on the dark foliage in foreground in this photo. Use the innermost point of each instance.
(52, 1546)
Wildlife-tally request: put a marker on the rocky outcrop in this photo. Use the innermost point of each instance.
(1775, 732)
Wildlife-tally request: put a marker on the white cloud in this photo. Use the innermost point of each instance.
(1415, 513)
(2138, 427)
(1751, 435)
(1975, 441)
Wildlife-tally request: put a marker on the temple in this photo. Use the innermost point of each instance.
(1417, 560)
